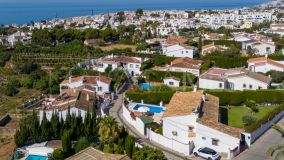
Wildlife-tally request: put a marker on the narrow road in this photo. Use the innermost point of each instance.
(258, 149)
(116, 112)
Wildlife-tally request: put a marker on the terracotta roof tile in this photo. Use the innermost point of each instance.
(182, 103)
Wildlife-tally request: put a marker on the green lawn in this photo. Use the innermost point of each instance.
(232, 115)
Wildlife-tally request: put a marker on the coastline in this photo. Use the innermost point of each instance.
(72, 11)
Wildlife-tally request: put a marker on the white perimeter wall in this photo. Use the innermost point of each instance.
(169, 143)
(252, 137)
(137, 123)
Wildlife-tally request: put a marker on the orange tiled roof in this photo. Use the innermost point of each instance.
(89, 79)
(182, 103)
(210, 117)
(172, 41)
(266, 60)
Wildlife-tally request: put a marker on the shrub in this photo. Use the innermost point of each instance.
(277, 76)
(270, 115)
(82, 144)
(254, 109)
(249, 119)
(249, 103)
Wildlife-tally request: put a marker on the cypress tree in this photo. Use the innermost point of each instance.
(129, 145)
(45, 132)
(66, 142)
(55, 125)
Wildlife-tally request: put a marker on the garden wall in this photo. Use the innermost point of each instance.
(136, 123)
(252, 137)
(169, 143)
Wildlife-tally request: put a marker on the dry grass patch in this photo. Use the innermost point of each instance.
(118, 46)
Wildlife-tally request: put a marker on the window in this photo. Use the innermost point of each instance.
(244, 86)
(137, 66)
(190, 128)
(174, 133)
(215, 142)
(181, 52)
(250, 86)
(171, 83)
(220, 85)
(259, 87)
(186, 51)
(203, 138)
(109, 65)
(100, 88)
(131, 65)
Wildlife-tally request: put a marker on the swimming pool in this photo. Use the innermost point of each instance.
(153, 109)
(35, 157)
(145, 85)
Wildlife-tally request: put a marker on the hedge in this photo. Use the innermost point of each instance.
(269, 116)
(239, 97)
(158, 76)
(226, 97)
(150, 97)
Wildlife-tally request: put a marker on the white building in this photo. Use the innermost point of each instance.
(129, 64)
(18, 37)
(100, 84)
(192, 117)
(233, 79)
(184, 64)
(207, 49)
(277, 28)
(264, 65)
(77, 101)
(172, 81)
(258, 47)
(178, 50)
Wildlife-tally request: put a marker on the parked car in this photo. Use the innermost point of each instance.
(206, 153)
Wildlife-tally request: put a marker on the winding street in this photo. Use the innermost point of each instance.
(116, 112)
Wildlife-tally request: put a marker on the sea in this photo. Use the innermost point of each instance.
(25, 11)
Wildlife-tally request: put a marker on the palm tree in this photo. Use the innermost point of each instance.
(277, 151)
(108, 129)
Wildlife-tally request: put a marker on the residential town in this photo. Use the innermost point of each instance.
(163, 84)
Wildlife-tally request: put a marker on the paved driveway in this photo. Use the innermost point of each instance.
(258, 150)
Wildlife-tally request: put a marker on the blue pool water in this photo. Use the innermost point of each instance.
(145, 85)
(35, 157)
(152, 109)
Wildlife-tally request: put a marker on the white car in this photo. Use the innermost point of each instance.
(206, 153)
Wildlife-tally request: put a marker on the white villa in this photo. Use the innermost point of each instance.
(233, 79)
(191, 119)
(178, 50)
(129, 64)
(79, 101)
(277, 28)
(100, 84)
(172, 81)
(207, 49)
(264, 65)
(184, 64)
(259, 47)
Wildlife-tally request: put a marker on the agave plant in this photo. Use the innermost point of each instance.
(277, 152)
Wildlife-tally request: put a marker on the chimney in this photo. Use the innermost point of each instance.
(269, 76)
(74, 90)
(195, 88)
(87, 97)
(203, 97)
(70, 79)
(266, 56)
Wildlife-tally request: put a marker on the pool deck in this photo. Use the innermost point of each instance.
(157, 117)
